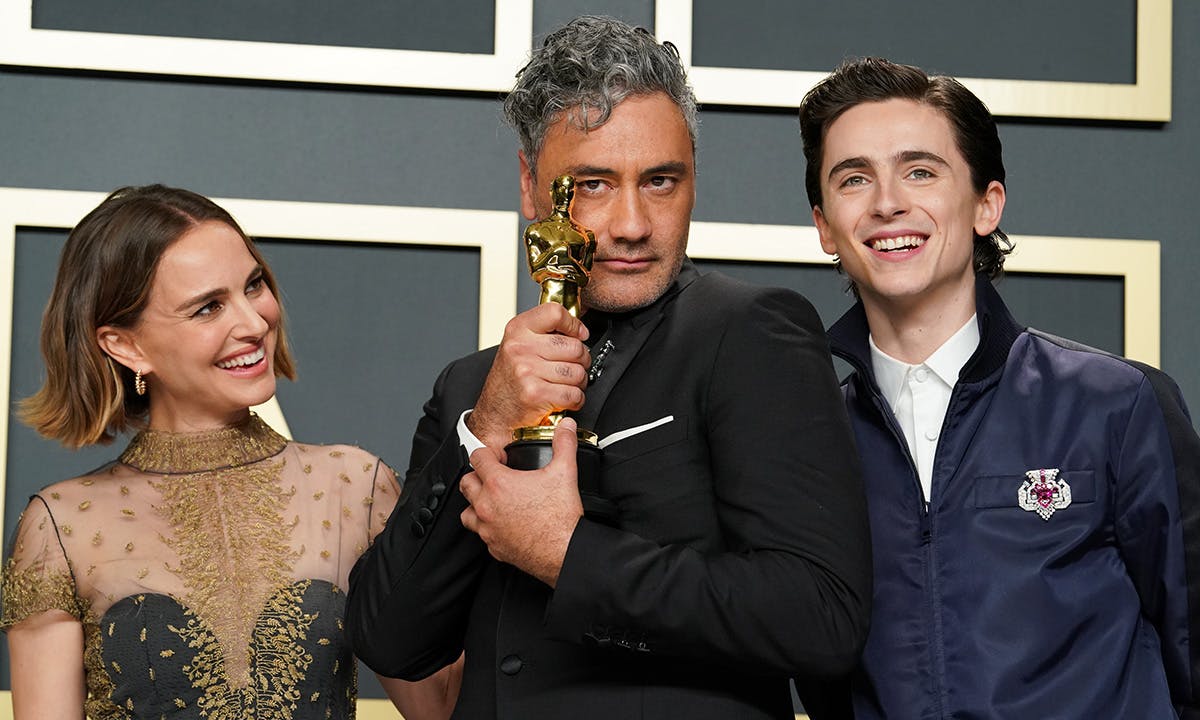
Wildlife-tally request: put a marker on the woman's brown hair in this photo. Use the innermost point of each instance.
(104, 278)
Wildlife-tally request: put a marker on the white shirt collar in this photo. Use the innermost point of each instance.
(946, 362)
(889, 373)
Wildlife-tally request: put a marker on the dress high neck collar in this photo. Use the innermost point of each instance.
(156, 451)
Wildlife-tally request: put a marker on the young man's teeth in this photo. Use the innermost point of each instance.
(243, 360)
(898, 243)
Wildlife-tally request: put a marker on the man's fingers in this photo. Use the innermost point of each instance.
(552, 318)
(469, 483)
(565, 444)
(470, 520)
(483, 460)
(562, 349)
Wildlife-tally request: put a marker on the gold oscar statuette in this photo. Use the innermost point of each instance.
(559, 252)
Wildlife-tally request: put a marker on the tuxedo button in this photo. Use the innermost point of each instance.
(432, 502)
(438, 489)
(423, 515)
(418, 530)
(511, 665)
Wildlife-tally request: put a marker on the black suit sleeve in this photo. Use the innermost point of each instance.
(411, 592)
(790, 591)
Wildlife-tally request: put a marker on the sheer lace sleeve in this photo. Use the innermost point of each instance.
(385, 493)
(343, 499)
(37, 576)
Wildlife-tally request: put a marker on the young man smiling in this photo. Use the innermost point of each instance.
(1034, 503)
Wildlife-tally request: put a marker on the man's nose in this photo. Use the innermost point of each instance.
(890, 199)
(630, 221)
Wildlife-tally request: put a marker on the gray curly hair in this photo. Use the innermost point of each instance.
(587, 68)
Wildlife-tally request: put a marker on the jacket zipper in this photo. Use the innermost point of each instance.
(925, 525)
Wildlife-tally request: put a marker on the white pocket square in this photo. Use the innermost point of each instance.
(620, 435)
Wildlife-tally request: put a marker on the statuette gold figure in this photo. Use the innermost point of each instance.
(560, 253)
(560, 250)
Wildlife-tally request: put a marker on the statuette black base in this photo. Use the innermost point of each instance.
(535, 454)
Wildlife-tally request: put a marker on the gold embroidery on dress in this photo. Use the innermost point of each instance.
(233, 550)
(283, 662)
(100, 686)
(175, 453)
(279, 667)
(224, 504)
(30, 591)
(216, 502)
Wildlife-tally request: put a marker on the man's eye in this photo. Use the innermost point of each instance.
(590, 185)
(854, 180)
(920, 174)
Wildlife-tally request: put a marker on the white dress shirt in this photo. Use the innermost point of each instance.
(920, 394)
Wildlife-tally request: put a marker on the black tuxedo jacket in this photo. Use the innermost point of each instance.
(740, 556)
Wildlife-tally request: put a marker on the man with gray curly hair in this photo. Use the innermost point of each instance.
(735, 554)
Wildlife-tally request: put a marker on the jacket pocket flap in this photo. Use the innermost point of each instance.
(998, 491)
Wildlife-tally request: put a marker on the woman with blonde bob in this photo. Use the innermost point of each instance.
(200, 574)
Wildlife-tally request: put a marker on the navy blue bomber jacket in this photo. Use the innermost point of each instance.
(1056, 571)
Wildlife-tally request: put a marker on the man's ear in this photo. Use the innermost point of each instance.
(120, 345)
(827, 243)
(989, 209)
(528, 187)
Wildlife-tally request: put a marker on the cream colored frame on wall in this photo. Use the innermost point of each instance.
(1134, 261)
(22, 44)
(495, 233)
(1147, 99)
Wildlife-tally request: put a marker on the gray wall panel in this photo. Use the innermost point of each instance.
(363, 376)
(256, 141)
(1024, 39)
(447, 25)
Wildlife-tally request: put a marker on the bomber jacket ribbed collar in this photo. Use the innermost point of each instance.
(997, 332)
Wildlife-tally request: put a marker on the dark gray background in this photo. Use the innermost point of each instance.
(1051, 39)
(372, 325)
(464, 26)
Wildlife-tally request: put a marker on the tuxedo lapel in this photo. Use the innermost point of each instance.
(626, 335)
